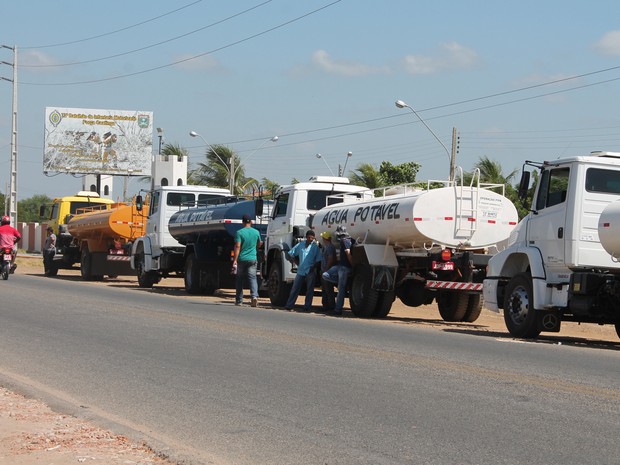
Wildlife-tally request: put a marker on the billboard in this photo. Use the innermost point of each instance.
(112, 142)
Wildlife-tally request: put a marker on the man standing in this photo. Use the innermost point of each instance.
(9, 236)
(328, 259)
(49, 250)
(247, 242)
(339, 274)
(306, 255)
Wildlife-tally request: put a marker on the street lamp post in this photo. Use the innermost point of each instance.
(318, 155)
(342, 171)
(271, 139)
(160, 136)
(228, 168)
(401, 104)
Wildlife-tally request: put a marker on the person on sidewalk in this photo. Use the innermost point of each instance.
(305, 255)
(328, 259)
(247, 243)
(339, 274)
(49, 250)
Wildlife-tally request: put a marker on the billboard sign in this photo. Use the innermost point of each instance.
(112, 142)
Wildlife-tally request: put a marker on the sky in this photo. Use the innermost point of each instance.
(529, 80)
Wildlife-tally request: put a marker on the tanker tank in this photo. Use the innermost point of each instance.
(120, 221)
(463, 217)
(200, 223)
(609, 229)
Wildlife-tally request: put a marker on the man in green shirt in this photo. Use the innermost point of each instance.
(247, 242)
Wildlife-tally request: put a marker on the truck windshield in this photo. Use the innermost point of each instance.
(319, 199)
(603, 181)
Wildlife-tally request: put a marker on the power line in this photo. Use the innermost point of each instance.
(121, 76)
(152, 45)
(112, 32)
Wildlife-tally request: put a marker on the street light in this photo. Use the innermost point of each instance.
(271, 139)
(318, 155)
(401, 104)
(228, 169)
(342, 171)
(160, 135)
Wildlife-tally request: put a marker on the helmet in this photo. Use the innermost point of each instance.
(5, 220)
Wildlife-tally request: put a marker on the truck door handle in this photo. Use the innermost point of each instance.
(560, 233)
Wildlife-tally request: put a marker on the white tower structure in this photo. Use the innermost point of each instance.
(169, 170)
(101, 184)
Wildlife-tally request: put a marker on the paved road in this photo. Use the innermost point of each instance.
(215, 383)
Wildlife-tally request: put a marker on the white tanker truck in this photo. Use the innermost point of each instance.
(562, 262)
(417, 243)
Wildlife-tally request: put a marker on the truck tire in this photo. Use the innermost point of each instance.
(208, 287)
(384, 304)
(521, 319)
(86, 266)
(192, 275)
(362, 299)
(452, 305)
(145, 278)
(277, 288)
(474, 308)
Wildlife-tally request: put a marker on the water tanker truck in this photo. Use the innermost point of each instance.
(102, 240)
(417, 243)
(208, 234)
(562, 260)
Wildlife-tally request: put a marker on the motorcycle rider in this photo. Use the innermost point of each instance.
(9, 237)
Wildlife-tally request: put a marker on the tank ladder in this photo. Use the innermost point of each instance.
(467, 202)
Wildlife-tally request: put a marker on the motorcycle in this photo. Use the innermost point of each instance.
(6, 254)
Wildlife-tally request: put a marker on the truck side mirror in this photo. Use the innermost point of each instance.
(524, 184)
(42, 211)
(139, 203)
(258, 207)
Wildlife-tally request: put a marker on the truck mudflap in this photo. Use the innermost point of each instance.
(454, 286)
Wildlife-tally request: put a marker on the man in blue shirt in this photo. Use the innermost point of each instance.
(305, 254)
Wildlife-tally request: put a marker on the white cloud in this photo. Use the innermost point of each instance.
(322, 60)
(205, 62)
(609, 44)
(38, 60)
(451, 55)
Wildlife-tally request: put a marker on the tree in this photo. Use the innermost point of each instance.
(215, 171)
(387, 175)
(28, 209)
(404, 173)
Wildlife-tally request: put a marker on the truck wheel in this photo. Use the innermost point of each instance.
(519, 315)
(452, 305)
(86, 265)
(145, 279)
(277, 288)
(362, 299)
(384, 305)
(474, 308)
(208, 287)
(192, 275)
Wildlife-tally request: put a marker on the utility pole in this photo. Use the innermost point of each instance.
(455, 150)
(13, 180)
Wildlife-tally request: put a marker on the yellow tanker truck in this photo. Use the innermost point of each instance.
(104, 239)
(98, 239)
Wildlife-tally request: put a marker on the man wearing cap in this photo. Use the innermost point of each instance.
(247, 242)
(339, 274)
(49, 250)
(305, 254)
(328, 259)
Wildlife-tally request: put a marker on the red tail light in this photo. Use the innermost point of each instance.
(446, 255)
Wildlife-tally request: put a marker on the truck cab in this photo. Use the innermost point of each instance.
(157, 254)
(291, 217)
(554, 258)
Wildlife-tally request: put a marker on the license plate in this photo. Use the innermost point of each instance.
(7, 257)
(443, 266)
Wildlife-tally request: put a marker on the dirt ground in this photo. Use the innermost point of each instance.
(32, 434)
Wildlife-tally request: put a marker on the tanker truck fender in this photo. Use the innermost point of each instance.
(507, 264)
(141, 249)
(381, 260)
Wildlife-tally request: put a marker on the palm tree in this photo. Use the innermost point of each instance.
(366, 175)
(491, 171)
(215, 172)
